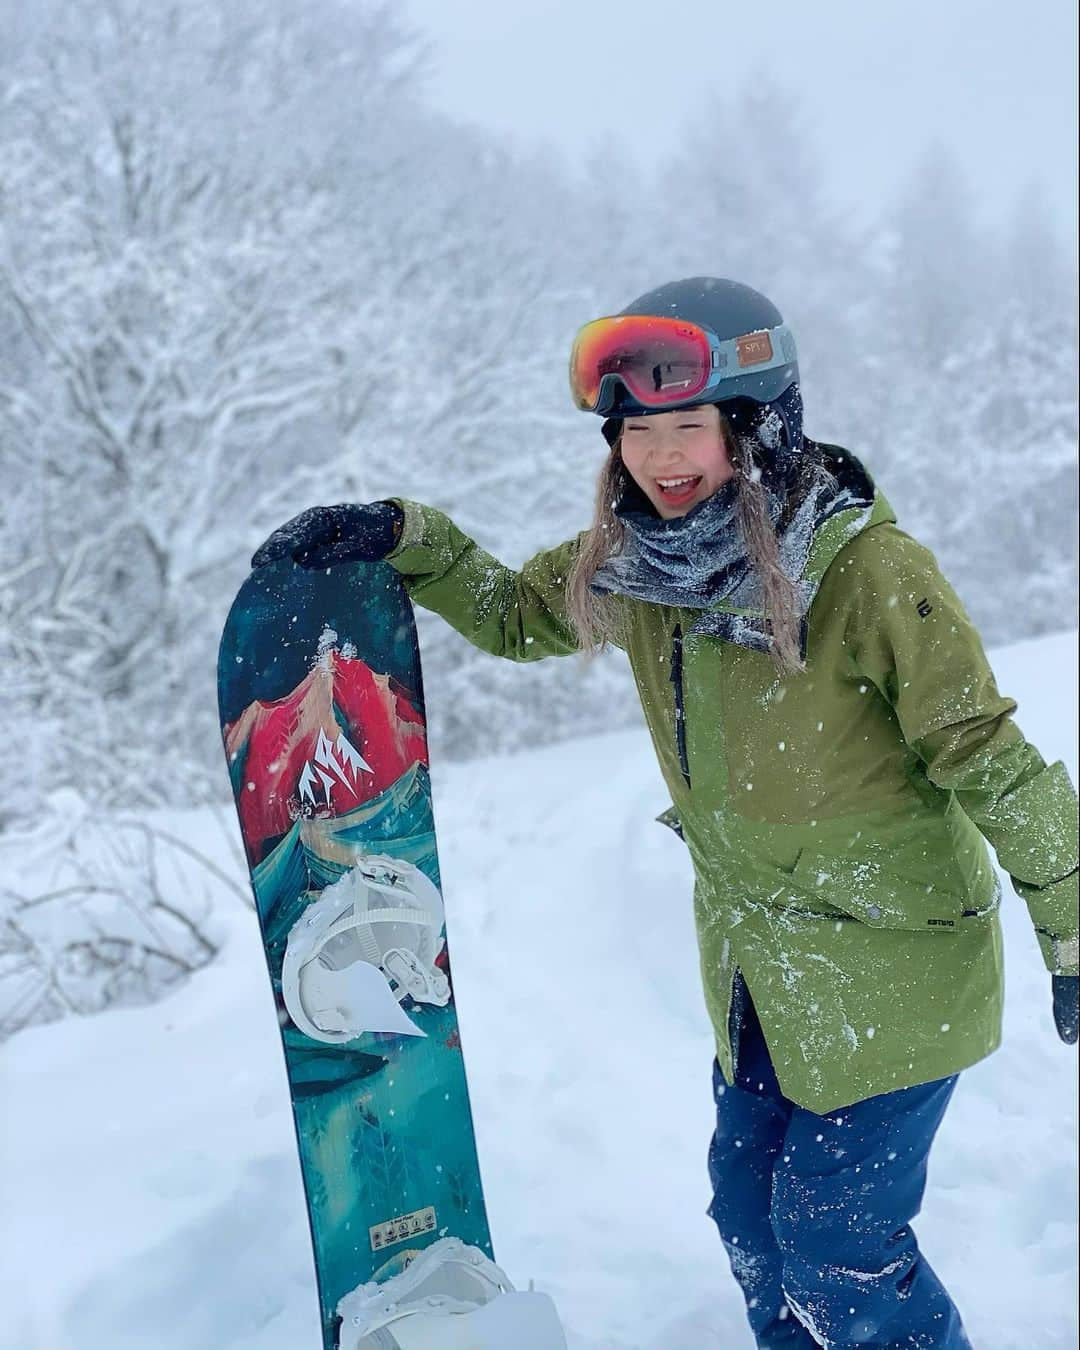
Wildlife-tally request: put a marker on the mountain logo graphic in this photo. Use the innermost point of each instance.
(335, 763)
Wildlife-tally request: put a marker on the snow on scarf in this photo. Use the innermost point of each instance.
(699, 560)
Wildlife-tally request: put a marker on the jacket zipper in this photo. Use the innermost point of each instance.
(680, 707)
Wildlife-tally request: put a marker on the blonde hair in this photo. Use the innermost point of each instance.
(599, 620)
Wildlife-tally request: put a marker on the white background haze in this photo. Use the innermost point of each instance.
(996, 81)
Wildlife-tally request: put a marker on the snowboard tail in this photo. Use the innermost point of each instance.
(322, 714)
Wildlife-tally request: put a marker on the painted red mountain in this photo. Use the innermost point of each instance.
(341, 737)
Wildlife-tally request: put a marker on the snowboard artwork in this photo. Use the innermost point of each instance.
(322, 716)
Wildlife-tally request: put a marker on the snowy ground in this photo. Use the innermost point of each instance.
(149, 1190)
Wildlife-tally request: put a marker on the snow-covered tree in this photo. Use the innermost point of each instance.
(173, 331)
(973, 383)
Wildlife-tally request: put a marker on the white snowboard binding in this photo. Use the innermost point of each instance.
(365, 944)
(450, 1297)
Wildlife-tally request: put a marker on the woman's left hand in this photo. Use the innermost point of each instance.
(1067, 1006)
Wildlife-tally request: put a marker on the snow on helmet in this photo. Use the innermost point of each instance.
(368, 941)
(762, 403)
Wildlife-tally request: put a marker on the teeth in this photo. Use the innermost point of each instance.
(674, 482)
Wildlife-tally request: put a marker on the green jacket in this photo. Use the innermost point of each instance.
(834, 817)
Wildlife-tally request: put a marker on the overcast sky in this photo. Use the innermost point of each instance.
(996, 79)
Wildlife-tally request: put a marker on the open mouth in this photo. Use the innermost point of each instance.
(677, 490)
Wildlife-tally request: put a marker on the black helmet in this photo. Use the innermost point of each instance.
(730, 310)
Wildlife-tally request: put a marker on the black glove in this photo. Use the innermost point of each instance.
(333, 534)
(1067, 1006)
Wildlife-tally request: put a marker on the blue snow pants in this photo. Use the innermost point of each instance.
(815, 1211)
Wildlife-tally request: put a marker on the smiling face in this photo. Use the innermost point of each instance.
(678, 459)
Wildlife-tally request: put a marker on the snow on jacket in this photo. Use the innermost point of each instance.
(835, 818)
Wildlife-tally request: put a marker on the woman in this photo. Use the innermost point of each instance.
(834, 743)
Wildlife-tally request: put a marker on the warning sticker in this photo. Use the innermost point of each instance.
(401, 1229)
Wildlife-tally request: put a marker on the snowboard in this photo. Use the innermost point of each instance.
(322, 716)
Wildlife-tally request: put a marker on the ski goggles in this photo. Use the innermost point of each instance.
(662, 362)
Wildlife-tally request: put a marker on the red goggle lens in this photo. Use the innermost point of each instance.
(660, 361)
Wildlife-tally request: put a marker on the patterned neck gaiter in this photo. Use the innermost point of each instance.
(692, 561)
(699, 560)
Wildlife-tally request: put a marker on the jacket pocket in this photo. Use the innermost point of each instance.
(862, 889)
